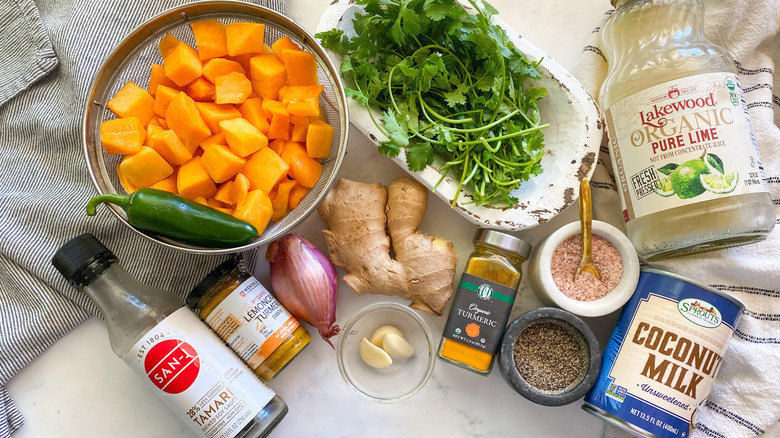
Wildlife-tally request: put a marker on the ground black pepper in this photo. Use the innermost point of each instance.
(550, 355)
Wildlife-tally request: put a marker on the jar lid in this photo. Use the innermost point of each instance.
(209, 281)
(504, 241)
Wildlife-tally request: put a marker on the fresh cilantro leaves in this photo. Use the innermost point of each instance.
(448, 83)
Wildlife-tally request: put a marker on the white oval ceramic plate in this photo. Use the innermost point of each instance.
(571, 141)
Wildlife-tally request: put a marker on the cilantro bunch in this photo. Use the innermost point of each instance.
(448, 83)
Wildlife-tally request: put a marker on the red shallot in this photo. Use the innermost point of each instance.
(305, 282)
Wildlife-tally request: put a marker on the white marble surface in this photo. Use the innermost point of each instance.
(78, 388)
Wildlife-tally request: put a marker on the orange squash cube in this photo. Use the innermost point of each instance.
(279, 126)
(201, 90)
(220, 163)
(243, 138)
(182, 64)
(167, 44)
(213, 68)
(122, 136)
(145, 167)
(214, 113)
(168, 145)
(158, 77)
(296, 195)
(277, 146)
(252, 111)
(185, 120)
(152, 130)
(268, 75)
(240, 188)
(193, 180)
(256, 209)
(282, 43)
(218, 138)
(168, 184)
(132, 101)
(265, 169)
(292, 149)
(299, 130)
(301, 67)
(126, 184)
(233, 87)
(244, 37)
(319, 138)
(306, 171)
(164, 97)
(224, 193)
(210, 38)
(281, 198)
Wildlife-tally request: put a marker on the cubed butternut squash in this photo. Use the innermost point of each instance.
(268, 75)
(167, 184)
(252, 111)
(218, 138)
(213, 68)
(163, 98)
(303, 100)
(193, 180)
(167, 44)
(132, 101)
(277, 146)
(240, 188)
(243, 138)
(214, 113)
(122, 136)
(301, 67)
(185, 120)
(220, 163)
(282, 43)
(225, 193)
(256, 208)
(306, 171)
(201, 90)
(281, 198)
(279, 125)
(168, 145)
(158, 77)
(182, 64)
(126, 184)
(233, 87)
(244, 37)
(265, 169)
(319, 138)
(145, 167)
(151, 130)
(296, 195)
(210, 38)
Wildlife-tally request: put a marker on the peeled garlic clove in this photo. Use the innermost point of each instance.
(376, 337)
(396, 346)
(374, 356)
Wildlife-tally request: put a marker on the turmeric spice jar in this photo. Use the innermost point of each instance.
(248, 318)
(483, 301)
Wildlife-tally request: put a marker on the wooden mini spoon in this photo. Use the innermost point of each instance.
(586, 262)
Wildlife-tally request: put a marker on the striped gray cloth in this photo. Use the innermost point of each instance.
(743, 400)
(49, 53)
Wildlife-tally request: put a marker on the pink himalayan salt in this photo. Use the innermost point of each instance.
(566, 259)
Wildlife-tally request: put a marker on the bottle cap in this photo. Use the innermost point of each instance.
(74, 257)
(209, 281)
(504, 241)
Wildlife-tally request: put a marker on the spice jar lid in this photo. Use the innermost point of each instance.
(504, 241)
(209, 281)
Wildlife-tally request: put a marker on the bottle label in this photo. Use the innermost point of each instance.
(681, 142)
(203, 382)
(252, 322)
(479, 313)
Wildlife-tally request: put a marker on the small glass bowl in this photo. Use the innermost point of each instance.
(404, 377)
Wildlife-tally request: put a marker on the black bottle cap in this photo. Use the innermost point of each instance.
(209, 281)
(77, 254)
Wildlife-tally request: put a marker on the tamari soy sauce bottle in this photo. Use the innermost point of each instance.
(181, 360)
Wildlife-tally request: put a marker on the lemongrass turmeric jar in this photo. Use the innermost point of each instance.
(684, 154)
(483, 301)
(248, 318)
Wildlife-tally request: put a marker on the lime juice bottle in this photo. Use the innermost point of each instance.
(683, 151)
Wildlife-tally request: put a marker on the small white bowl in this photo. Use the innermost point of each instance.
(540, 271)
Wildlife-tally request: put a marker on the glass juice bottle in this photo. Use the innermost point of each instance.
(684, 154)
(204, 383)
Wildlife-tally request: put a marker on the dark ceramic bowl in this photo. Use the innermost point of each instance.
(581, 384)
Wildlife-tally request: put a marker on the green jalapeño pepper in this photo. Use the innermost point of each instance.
(170, 215)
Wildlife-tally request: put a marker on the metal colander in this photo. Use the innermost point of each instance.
(132, 60)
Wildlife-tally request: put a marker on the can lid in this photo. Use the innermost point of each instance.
(77, 254)
(504, 241)
(209, 281)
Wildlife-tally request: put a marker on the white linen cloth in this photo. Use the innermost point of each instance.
(744, 400)
(50, 50)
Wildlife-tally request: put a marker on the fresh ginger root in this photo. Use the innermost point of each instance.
(358, 216)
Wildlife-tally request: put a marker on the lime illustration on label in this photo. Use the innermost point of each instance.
(694, 177)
